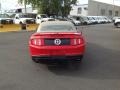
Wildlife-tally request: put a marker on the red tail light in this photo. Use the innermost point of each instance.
(77, 41)
(36, 41)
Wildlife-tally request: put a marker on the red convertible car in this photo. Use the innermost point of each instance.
(56, 40)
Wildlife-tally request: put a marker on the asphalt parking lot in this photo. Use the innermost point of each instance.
(100, 69)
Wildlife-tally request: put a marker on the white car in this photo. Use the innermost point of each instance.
(24, 18)
(98, 19)
(114, 18)
(42, 18)
(5, 19)
(93, 21)
(108, 19)
(117, 22)
(75, 22)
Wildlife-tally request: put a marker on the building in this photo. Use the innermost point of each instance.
(79, 10)
(95, 8)
(0, 8)
(20, 9)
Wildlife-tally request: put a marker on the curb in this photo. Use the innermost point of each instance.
(18, 31)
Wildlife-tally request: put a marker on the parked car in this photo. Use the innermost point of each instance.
(57, 40)
(102, 19)
(60, 18)
(74, 21)
(117, 22)
(85, 21)
(105, 20)
(24, 18)
(5, 19)
(99, 21)
(71, 19)
(91, 19)
(95, 20)
(43, 18)
(108, 20)
(114, 18)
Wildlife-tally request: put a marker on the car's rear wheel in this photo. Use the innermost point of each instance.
(118, 25)
(79, 59)
(85, 23)
(35, 60)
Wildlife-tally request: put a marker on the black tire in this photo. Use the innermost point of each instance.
(35, 60)
(74, 23)
(118, 25)
(11, 22)
(20, 23)
(42, 21)
(85, 23)
(115, 24)
(80, 59)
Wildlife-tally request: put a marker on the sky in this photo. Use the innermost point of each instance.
(10, 4)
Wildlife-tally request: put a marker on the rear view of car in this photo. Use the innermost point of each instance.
(57, 40)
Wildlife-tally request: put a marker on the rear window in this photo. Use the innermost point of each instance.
(56, 28)
(28, 16)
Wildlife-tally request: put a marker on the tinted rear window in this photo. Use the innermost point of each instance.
(56, 28)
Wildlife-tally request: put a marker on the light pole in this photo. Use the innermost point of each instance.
(25, 2)
(98, 6)
(113, 8)
(0, 7)
(63, 4)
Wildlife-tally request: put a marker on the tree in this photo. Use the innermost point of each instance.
(57, 7)
(67, 6)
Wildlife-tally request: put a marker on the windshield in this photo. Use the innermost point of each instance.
(4, 16)
(43, 16)
(93, 18)
(56, 28)
(90, 18)
(28, 16)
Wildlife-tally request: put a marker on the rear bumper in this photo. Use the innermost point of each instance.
(57, 50)
(61, 58)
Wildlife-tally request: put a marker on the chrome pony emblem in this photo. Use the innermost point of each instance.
(57, 41)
